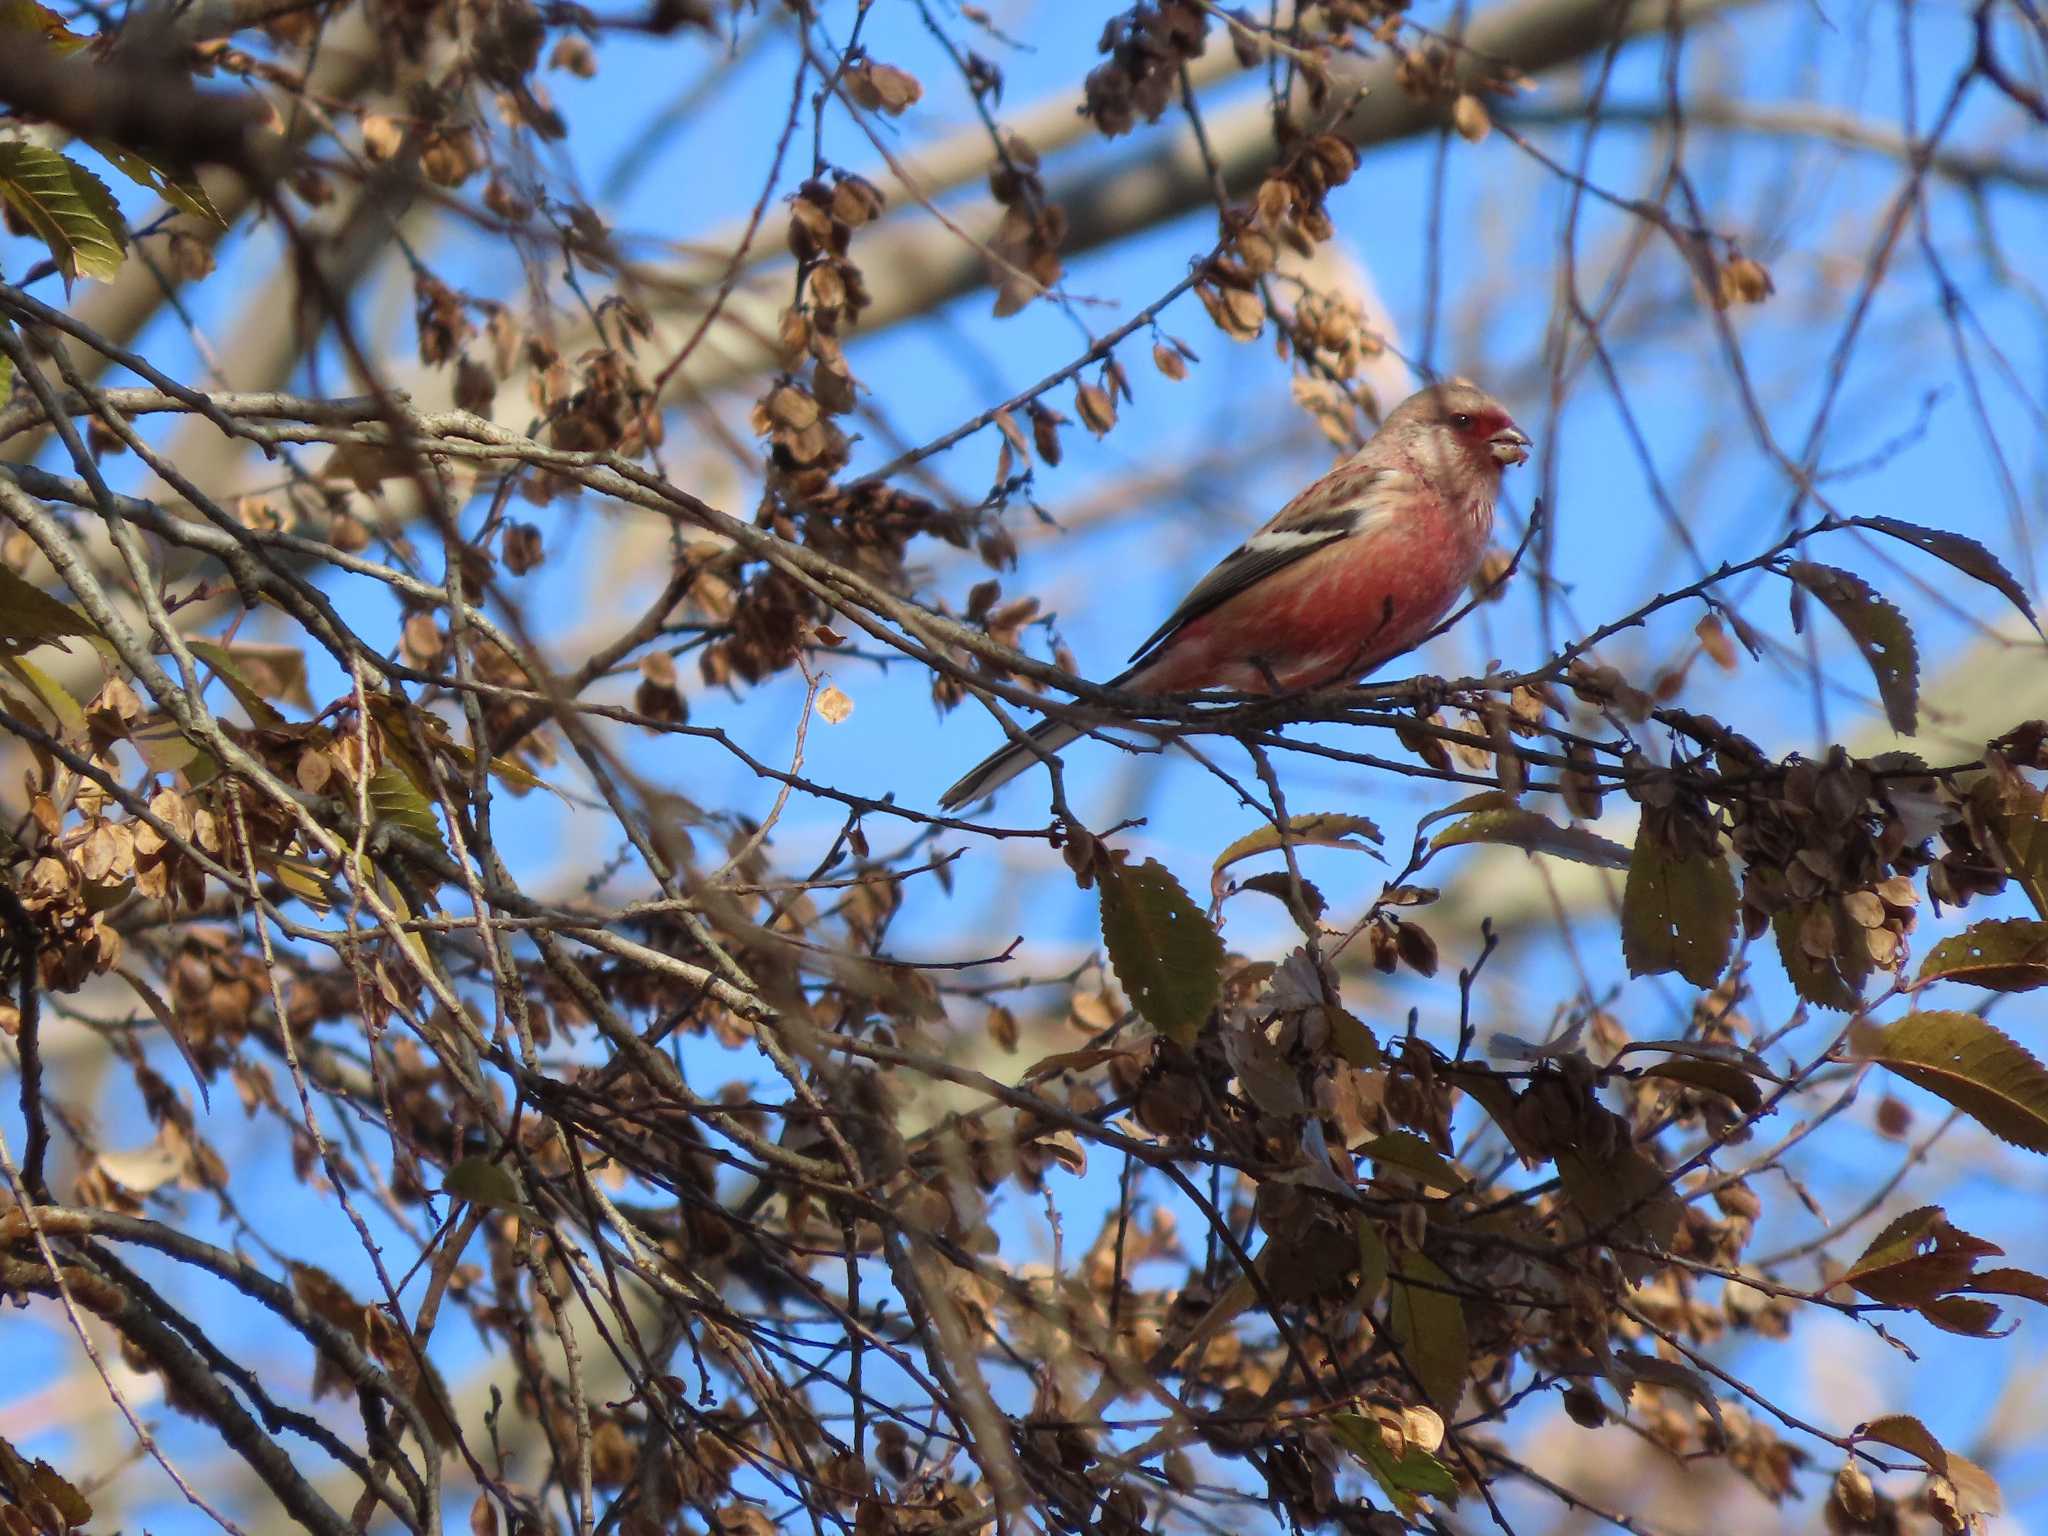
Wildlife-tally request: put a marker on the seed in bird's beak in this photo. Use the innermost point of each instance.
(1510, 445)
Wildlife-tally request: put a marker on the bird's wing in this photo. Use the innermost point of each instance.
(1343, 503)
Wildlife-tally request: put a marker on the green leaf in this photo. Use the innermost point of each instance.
(1677, 914)
(1965, 554)
(1623, 1200)
(1352, 1039)
(178, 187)
(30, 617)
(28, 18)
(1372, 1262)
(2005, 955)
(1821, 979)
(2018, 837)
(1329, 829)
(247, 693)
(1405, 1149)
(1167, 956)
(1512, 827)
(396, 799)
(67, 207)
(1428, 1325)
(1965, 1061)
(1414, 1474)
(1880, 631)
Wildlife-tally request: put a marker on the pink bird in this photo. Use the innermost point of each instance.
(1349, 574)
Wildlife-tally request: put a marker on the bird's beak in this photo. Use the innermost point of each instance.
(1510, 445)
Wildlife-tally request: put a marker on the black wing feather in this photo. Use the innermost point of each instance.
(1248, 563)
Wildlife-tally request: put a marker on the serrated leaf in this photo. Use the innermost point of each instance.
(1512, 827)
(59, 708)
(1905, 1433)
(30, 1483)
(1428, 1326)
(30, 617)
(246, 692)
(1963, 1315)
(2019, 838)
(179, 188)
(1915, 1258)
(1327, 829)
(1819, 981)
(1405, 1149)
(2009, 1282)
(301, 876)
(397, 800)
(2003, 954)
(1677, 914)
(1623, 1200)
(1965, 554)
(1880, 631)
(1961, 1059)
(66, 207)
(1167, 956)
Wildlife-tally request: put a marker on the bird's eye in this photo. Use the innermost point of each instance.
(1462, 422)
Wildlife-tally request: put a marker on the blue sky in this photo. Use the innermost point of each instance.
(1809, 209)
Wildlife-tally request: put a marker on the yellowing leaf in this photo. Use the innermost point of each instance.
(1513, 827)
(1328, 829)
(1405, 1149)
(2008, 955)
(396, 799)
(66, 207)
(60, 709)
(179, 188)
(246, 692)
(1406, 1478)
(1880, 631)
(1960, 1058)
(1428, 1326)
(1677, 914)
(1166, 954)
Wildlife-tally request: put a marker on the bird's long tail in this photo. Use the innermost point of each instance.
(1009, 760)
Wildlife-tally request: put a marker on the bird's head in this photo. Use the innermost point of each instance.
(1461, 422)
